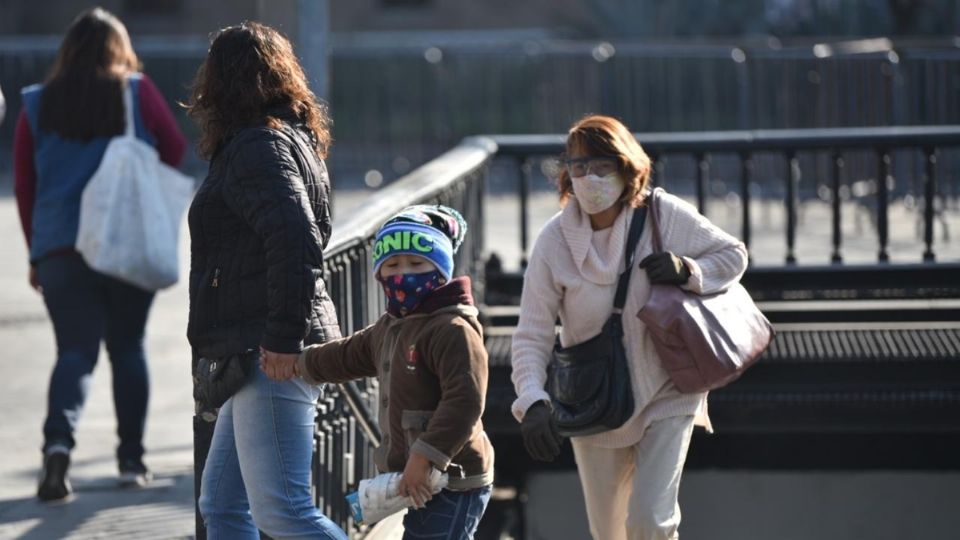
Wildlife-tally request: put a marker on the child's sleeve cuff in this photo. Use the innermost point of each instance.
(303, 368)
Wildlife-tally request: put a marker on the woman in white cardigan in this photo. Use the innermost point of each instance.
(630, 475)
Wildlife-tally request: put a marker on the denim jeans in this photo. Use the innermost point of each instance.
(87, 307)
(449, 515)
(257, 473)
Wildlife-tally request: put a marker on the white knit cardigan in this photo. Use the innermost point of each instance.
(573, 273)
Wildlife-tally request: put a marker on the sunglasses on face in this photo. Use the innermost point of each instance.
(583, 166)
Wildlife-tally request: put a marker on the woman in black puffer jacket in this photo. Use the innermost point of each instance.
(258, 225)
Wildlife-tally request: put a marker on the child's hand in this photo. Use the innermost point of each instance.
(415, 482)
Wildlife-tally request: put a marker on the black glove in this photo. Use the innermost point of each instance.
(540, 435)
(665, 268)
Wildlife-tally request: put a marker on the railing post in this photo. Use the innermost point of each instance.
(373, 302)
(203, 424)
(337, 463)
(929, 195)
(703, 174)
(351, 394)
(339, 290)
(526, 171)
(837, 159)
(479, 203)
(324, 442)
(746, 161)
(357, 271)
(883, 191)
(793, 179)
(739, 56)
(656, 167)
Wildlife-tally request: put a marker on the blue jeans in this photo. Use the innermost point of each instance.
(87, 307)
(258, 470)
(449, 515)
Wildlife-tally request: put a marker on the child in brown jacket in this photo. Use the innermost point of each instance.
(427, 350)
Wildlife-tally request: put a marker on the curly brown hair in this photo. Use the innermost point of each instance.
(604, 136)
(251, 77)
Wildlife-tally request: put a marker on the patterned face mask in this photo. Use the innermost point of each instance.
(597, 193)
(405, 292)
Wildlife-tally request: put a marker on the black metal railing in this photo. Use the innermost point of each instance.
(785, 146)
(347, 423)
(865, 354)
(347, 430)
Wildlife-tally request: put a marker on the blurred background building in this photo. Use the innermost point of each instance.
(407, 79)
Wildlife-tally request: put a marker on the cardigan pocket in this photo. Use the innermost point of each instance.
(414, 423)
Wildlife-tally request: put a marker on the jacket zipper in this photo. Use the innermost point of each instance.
(215, 283)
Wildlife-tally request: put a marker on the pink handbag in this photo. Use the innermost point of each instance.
(704, 341)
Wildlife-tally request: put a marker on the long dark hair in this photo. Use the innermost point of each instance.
(251, 77)
(83, 95)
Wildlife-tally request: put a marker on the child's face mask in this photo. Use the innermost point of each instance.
(405, 292)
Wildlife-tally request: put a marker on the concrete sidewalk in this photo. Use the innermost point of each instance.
(100, 509)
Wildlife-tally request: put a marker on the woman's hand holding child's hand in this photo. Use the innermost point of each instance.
(278, 366)
(415, 482)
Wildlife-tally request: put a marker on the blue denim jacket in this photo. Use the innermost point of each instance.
(64, 166)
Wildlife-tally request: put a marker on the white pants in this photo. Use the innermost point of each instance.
(631, 492)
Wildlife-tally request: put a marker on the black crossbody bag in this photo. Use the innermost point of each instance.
(216, 379)
(589, 383)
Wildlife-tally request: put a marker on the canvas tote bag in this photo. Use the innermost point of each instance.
(130, 212)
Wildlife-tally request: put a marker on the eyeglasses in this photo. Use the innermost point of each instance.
(583, 166)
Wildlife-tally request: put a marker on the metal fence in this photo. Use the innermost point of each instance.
(460, 176)
(346, 429)
(414, 100)
(346, 423)
(929, 178)
(397, 107)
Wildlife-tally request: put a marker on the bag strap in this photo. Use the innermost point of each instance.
(128, 130)
(633, 237)
(655, 219)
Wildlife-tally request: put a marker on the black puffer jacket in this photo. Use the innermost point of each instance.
(258, 225)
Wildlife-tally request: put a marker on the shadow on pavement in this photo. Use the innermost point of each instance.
(101, 509)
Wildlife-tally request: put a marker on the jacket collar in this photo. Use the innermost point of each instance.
(452, 297)
(453, 293)
(600, 264)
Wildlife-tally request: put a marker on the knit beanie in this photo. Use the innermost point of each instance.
(433, 232)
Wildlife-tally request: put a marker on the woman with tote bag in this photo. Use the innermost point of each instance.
(61, 135)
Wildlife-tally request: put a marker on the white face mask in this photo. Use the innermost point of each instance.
(597, 193)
